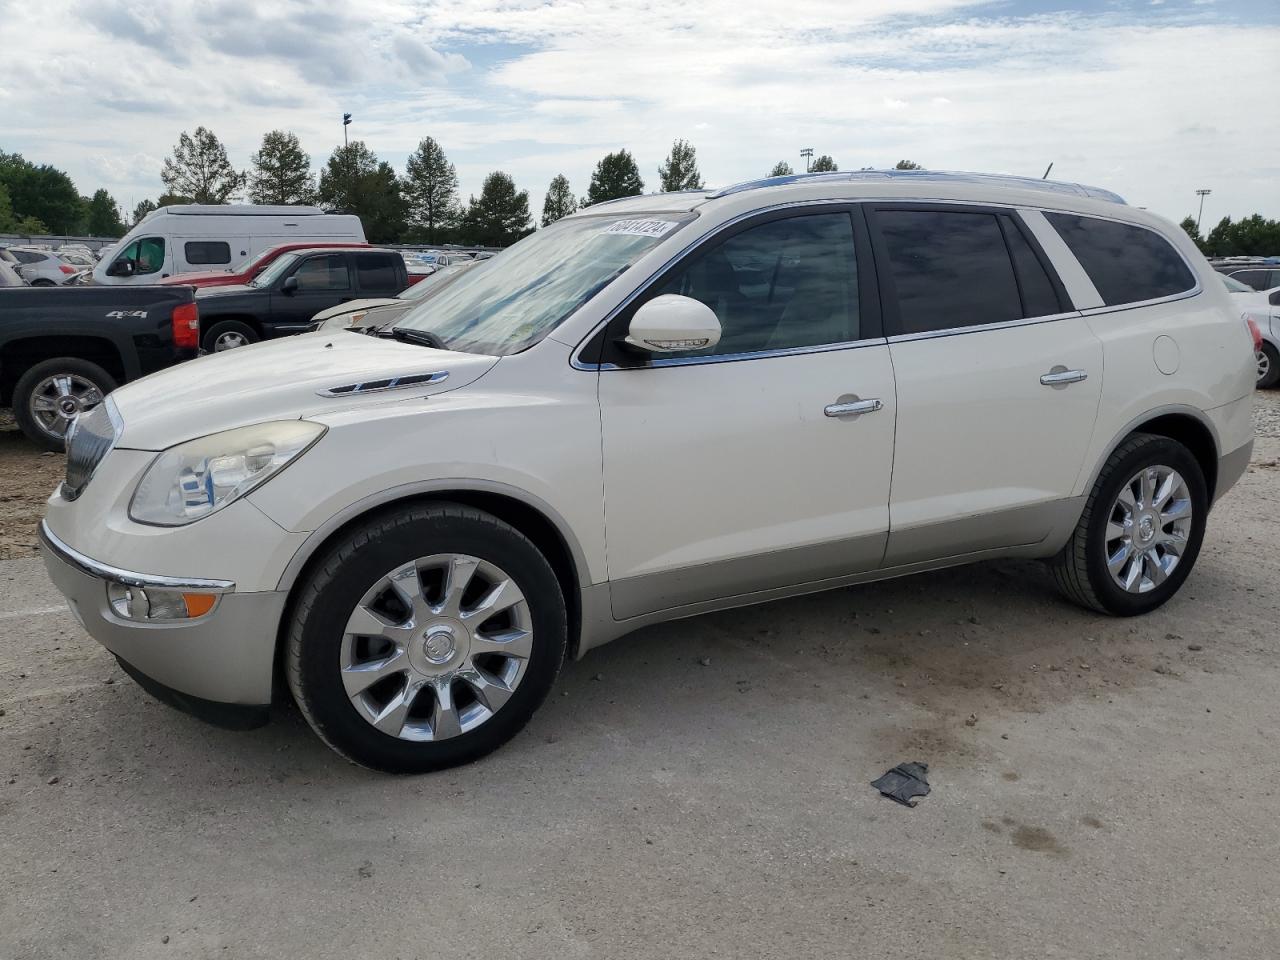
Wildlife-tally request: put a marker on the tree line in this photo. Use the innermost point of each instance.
(1253, 236)
(42, 199)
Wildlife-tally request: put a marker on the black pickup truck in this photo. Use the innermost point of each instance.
(62, 349)
(283, 298)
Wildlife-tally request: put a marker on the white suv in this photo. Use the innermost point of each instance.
(661, 406)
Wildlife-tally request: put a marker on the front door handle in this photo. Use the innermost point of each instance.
(1060, 376)
(850, 408)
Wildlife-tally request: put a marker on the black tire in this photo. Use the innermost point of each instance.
(351, 566)
(1080, 569)
(43, 282)
(228, 329)
(27, 383)
(1272, 376)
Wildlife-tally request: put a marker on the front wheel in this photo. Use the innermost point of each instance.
(426, 638)
(50, 395)
(1141, 529)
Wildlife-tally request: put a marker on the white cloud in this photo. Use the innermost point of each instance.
(539, 87)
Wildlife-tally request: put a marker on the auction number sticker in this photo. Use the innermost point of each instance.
(640, 228)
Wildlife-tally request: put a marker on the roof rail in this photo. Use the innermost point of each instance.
(927, 176)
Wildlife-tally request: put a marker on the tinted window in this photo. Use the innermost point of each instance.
(324, 273)
(785, 283)
(949, 269)
(1256, 279)
(377, 271)
(150, 256)
(1127, 264)
(207, 251)
(26, 256)
(1038, 296)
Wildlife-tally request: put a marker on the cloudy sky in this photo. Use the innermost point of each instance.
(1151, 98)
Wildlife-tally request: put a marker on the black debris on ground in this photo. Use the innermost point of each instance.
(903, 782)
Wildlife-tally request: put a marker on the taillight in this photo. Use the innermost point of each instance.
(186, 326)
(66, 269)
(1254, 332)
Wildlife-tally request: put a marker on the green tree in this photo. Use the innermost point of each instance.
(615, 176)
(680, 171)
(10, 222)
(559, 202)
(781, 169)
(281, 171)
(907, 165)
(142, 209)
(199, 169)
(501, 216)
(824, 164)
(104, 216)
(170, 199)
(42, 193)
(431, 189)
(354, 180)
(1188, 224)
(1221, 241)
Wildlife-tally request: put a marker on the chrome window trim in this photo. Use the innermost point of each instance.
(128, 578)
(734, 357)
(982, 327)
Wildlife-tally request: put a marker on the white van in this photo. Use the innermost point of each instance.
(189, 237)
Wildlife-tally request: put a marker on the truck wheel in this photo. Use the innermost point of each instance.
(227, 335)
(1268, 367)
(53, 393)
(1141, 529)
(425, 638)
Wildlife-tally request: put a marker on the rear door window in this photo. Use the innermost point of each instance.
(1127, 263)
(207, 252)
(948, 269)
(376, 272)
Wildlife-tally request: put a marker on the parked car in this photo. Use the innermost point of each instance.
(413, 526)
(250, 268)
(62, 351)
(282, 299)
(197, 237)
(42, 268)
(83, 262)
(1262, 309)
(372, 314)
(1258, 273)
(9, 276)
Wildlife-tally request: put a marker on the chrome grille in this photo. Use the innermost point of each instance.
(92, 437)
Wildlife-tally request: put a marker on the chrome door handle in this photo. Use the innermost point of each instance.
(1058, 376)
(852, 408)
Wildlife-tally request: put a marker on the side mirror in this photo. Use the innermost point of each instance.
(671, 322)
(290, 286)
(122, 268)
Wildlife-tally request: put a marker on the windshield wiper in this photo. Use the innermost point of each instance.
(422, 338)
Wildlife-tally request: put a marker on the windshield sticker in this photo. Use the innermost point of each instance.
(640, 228)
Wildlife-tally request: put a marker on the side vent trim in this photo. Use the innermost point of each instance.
(387, 383)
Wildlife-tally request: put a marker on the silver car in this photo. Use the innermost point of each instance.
(43, 268)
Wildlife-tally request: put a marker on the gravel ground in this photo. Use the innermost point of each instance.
(1101, 788)
(27, 477)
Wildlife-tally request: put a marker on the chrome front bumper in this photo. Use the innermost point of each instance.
(223, 659)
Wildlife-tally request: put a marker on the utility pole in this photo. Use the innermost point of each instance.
(807, 154)
(1201, 194)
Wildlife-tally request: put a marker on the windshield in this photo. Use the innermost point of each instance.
(430, 283)
(512, 302)
(268, 276)
(1235, 286)
(251, 264)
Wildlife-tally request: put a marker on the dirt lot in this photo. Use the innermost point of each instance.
(1101, 788)
(27, 477)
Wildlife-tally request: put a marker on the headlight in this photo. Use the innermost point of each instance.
(200, 477)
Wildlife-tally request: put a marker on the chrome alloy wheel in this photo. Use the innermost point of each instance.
(436, 647)
(1264, 364)
(1147, 528)
(59, 399)
(229, 341)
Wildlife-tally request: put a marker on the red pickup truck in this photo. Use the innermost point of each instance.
(250, 268)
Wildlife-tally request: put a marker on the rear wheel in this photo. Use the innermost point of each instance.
(50, 395)
(426, 638)
(227, 335)
(1268, 366)
(1141, 529)
(43, 282)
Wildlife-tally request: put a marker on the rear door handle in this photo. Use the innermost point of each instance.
(848, 408)
(1059, 376)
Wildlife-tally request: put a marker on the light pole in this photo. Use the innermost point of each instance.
(807, 154)
(1201, 194)
(346, 152)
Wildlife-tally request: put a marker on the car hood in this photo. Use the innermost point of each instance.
(351, 306)
(279, 380)
(225, 290)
